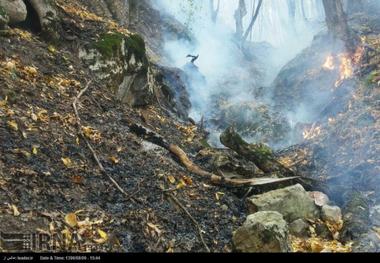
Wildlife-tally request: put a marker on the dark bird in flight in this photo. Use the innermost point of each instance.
(193, 58)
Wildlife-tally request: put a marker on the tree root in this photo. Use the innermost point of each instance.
(155, 138)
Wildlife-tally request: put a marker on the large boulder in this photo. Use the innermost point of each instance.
(121, 61)
(320, 199)
(14, 9)
(332, 214)
(47, 14)
(299, 228)
(4, 18)
(292, 202)
(263, 232)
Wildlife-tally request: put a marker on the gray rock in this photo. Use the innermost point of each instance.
(46, 12)
(320, 199)
(292, 202)
(299, 228)
(122, 63)
(331, 214)
(15, 9)
(263, 232)
(375, 215)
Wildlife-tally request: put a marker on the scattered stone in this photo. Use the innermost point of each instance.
(263, 232)
(331, 214)
(299, 228)
(292, 202)
(15, 9)
(320, 199)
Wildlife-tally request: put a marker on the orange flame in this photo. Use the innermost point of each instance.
(329, 63)
(313, 132)
(346, 68)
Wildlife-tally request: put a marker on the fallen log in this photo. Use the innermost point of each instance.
(184, 160)
(260, 154)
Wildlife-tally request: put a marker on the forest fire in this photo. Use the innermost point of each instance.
(347, 63)
(346, 69)
(313, 132)
(329, 63)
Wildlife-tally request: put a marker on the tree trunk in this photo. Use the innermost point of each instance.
(253, 20)
(259, 154)
(214, 12)
(133, 11)
(240, 13)
(336, 20)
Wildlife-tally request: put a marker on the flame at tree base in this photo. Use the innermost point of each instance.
(347, 64)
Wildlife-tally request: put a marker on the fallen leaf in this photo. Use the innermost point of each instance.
(181, 184)
(187, 180)
(171, 179)
(34, 117)
(43, 115)
(31, 70)
(154, 228)
(67, 162)
(52, 49)
(91, 134)
(71, 219)
(35, 150)
(77, 179)
(13, 125)
(15, 210)
(114, 160)
(102, 234)
(219, 195)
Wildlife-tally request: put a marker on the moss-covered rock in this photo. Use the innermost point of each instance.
(4, 19)
(136, 45)
(110, 44)
(14, 10)
(2, 11)
(263, 232)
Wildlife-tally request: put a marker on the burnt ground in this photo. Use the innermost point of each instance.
(47, 172)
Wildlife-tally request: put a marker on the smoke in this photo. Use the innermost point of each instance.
(223, 70)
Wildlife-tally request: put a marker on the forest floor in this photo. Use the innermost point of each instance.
(50, 183)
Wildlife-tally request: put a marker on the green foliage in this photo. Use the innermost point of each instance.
(136, 45)
(264, 150)
(204, 143)
(2, 11)
(371, 78)
(109, 44)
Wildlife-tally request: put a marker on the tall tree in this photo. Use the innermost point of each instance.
(292, 9)
(253, 20)
(336, 20)
(214, 10)
(240, 13)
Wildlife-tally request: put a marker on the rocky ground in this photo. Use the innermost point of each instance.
(52, 182)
